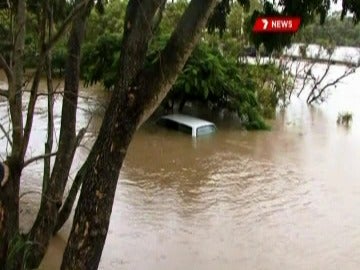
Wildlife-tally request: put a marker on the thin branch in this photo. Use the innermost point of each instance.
(8, 72)
(307, 72)
(6, 134)
(297, 72)
(31, 160)
(85, 147)
(31, 107)
(344, 75)
(77, 9)
(316, 84)
(34, 89)
(159, 15)
(80, 136)
(28, 193)
(4, 93)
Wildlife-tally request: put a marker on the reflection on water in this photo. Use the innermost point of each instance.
(284, 199)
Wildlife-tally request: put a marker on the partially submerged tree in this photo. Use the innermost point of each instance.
(311, 71)
(138, 91)
(20, 250)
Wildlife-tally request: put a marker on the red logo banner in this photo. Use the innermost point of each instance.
(277, 24)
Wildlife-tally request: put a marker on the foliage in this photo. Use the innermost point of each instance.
(271, 41)
(18, 245)
(335, 31)
(172, 15)
(307, 10)
(252, 91)
(99, 60)
(344, 118)
(220, 83)
(273, 86)
(212, 75)
(58, 59)
(110, 21)
(352, 6)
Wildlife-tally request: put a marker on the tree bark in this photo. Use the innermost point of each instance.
(129, 104)
(66, 208)
(9, 218)
(9, 194)
(50, 98)
(53, 189)
(65, 211)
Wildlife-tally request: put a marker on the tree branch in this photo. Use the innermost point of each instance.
(176, 52)
(4, 93)
(321, 91)
(6, 134)
(31, 106)
(159, 15)
(124, 113)
(75, 12)
(65, 210)
(307, 72)
(31, 160)
(44, 51)
(316, 84)
(8, 72)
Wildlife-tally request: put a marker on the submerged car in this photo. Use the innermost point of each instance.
(188, 124)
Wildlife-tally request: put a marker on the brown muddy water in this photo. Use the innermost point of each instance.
(284, 199)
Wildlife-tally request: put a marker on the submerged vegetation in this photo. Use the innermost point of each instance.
(344, 118)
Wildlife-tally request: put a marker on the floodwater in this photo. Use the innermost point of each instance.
(281, 199)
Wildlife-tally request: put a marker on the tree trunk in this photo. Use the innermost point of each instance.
(9, 193)
(50, 98)
(129, 105)
(66, 209)
(9, 218)
(53, 190)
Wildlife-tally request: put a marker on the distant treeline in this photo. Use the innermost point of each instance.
(332, 32)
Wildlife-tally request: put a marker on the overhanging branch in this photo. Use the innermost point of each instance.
(176, 52)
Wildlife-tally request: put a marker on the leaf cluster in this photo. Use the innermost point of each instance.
(308, 11)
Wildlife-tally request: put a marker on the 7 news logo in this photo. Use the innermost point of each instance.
(277, 24)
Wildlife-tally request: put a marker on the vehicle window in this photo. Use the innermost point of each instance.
(168, 123)
(185, 129)
(174, 125)
(205, 130)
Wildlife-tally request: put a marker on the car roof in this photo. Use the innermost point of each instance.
(187, 120)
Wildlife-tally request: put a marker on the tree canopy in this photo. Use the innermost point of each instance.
(333, 32)
(307, 10)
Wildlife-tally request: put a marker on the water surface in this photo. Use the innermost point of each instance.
(283, 199)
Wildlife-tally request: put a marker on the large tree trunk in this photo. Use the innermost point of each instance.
(53, 189)
(9, 193)
(129, 105)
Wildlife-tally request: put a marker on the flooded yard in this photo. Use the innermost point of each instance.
(281, 199)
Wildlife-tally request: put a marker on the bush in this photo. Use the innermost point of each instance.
(208, 77)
